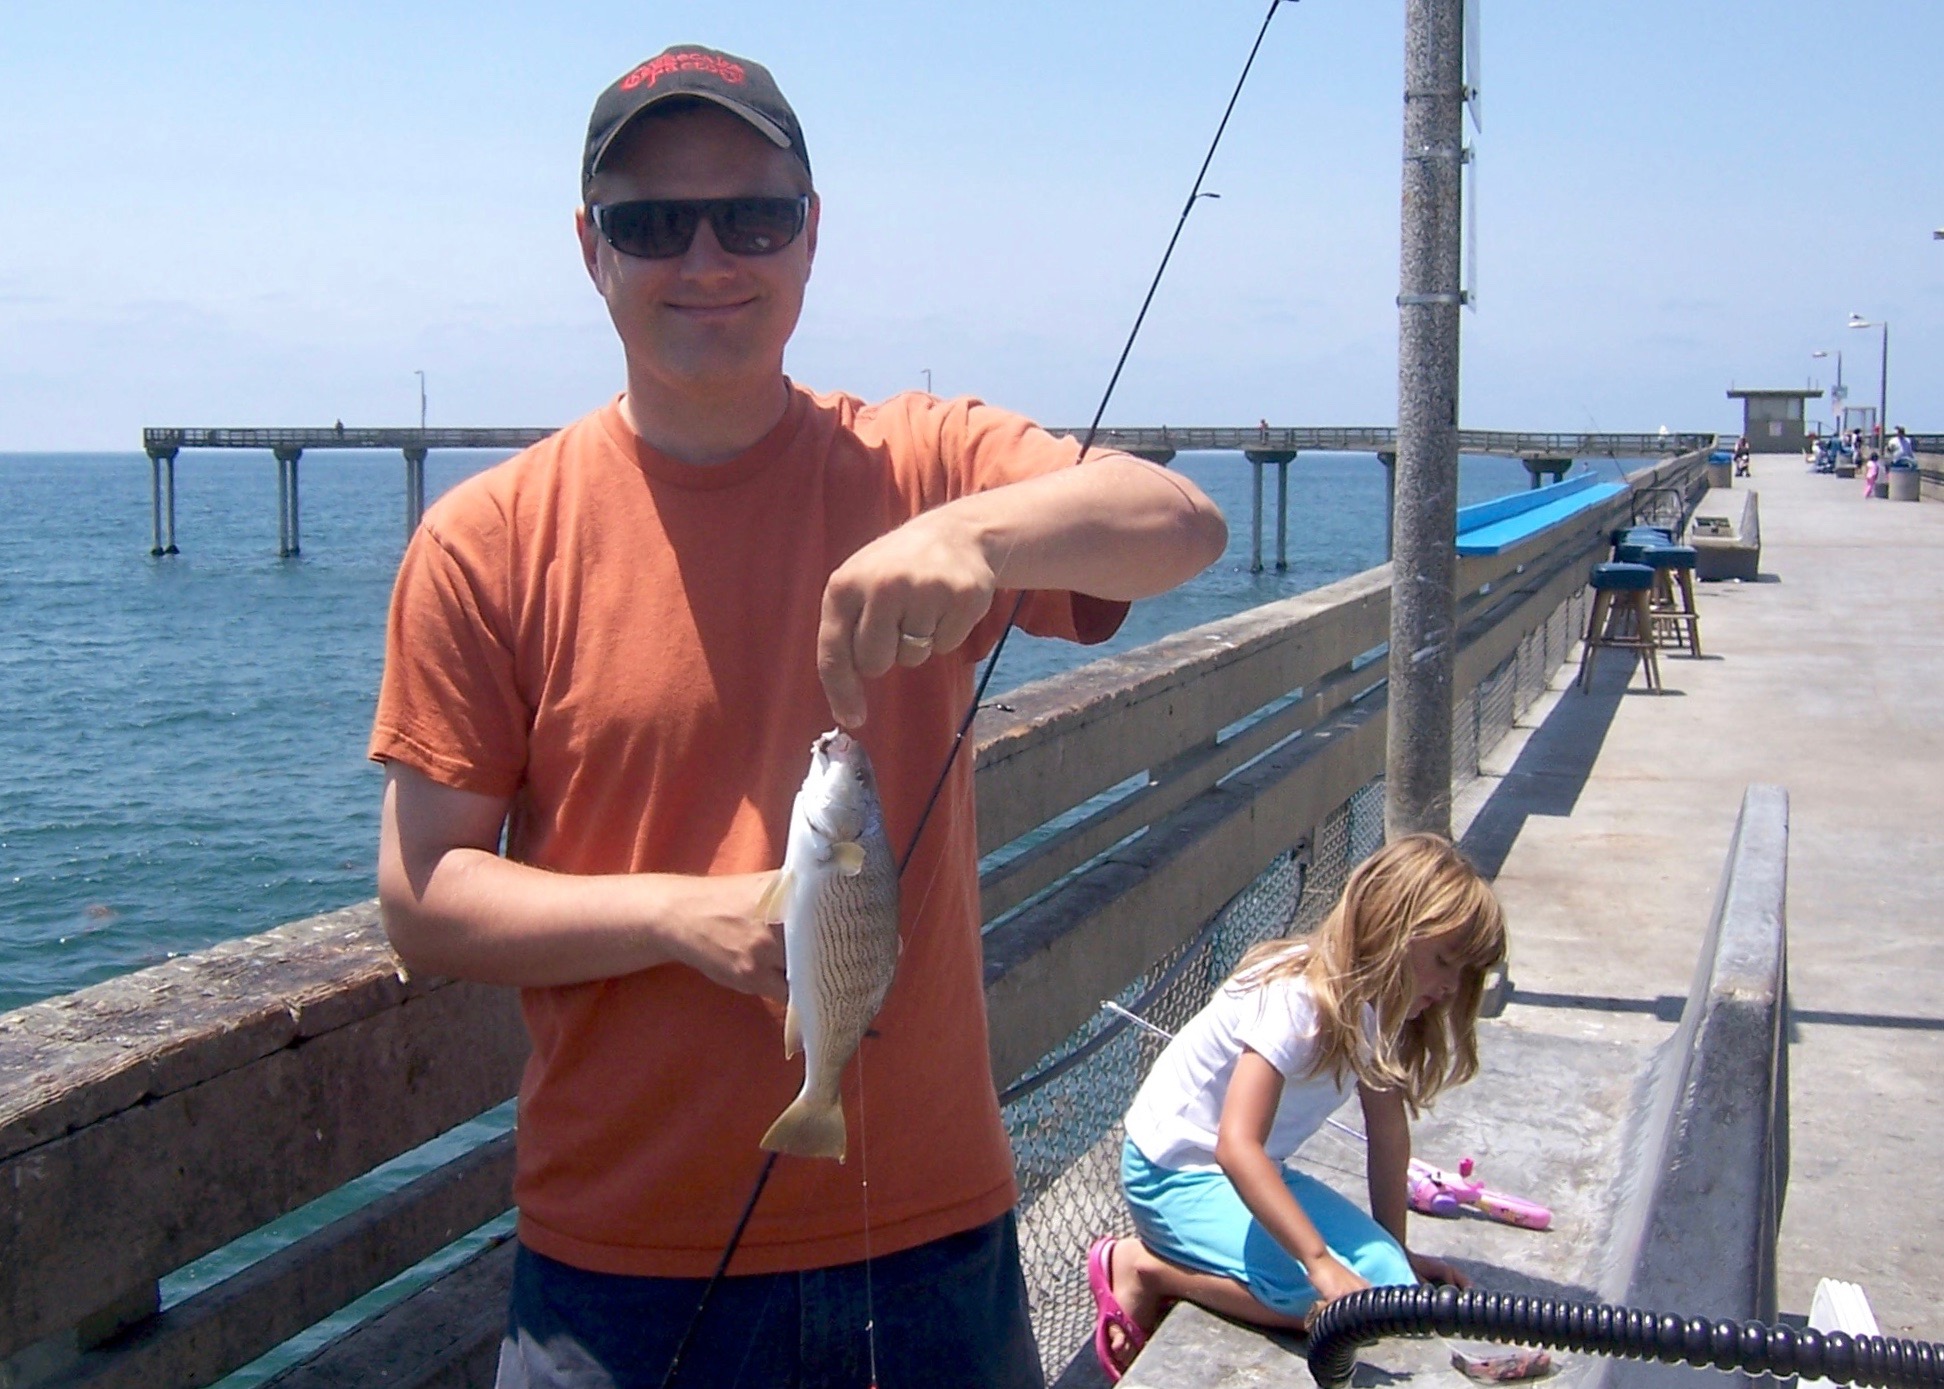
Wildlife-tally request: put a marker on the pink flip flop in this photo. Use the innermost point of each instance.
(1108, 1311)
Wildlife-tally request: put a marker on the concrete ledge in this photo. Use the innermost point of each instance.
(1698, 1237)
(1726, 533)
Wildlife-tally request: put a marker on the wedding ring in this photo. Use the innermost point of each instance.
(917, 642)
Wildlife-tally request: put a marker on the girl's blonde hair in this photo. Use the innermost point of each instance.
(1415, 888)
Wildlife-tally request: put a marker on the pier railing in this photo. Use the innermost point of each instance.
(200, 1107)
(1547, 454)
(1498, 443)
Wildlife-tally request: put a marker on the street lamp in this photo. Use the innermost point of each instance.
(421, 377)
(927, 371)
(1883, 374)
(1837, 393)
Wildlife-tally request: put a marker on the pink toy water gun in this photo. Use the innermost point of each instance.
(1435, 1191)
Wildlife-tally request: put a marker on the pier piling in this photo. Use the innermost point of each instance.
(1282, 517)
(1282, 458)
(414, 491)
(155, 505)
(1551, 469)
(1389, 460)
(289, 543)
(1255, 517)
(162, 502)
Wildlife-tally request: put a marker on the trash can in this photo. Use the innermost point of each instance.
(1720, 474)
(1904, 481)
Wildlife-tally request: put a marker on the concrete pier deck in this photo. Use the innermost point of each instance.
(1611, 811)
(1605, 818)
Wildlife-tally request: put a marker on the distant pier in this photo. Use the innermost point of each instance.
(1544, 455)
(287, 447)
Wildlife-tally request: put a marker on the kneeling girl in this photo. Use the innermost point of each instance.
(1384, 997)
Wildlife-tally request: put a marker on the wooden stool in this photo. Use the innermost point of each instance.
(1638, 535)
(1622, 618)
(1676, 620)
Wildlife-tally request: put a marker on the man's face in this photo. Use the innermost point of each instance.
(705, 323)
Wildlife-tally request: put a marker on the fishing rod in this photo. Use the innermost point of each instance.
(1195, 195)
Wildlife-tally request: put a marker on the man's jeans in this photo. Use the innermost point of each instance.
(949, 1313)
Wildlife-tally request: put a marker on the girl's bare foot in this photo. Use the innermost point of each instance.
(1130, 1272)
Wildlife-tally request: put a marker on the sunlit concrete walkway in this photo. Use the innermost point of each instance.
(1610, 813)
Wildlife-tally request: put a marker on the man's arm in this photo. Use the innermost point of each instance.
(452, 906)
(1113, 527)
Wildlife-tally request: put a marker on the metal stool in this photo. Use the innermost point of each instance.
(1622, 618)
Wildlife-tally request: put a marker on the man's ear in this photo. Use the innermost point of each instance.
(590, 244)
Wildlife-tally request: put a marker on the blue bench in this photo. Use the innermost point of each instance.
(1491, 528)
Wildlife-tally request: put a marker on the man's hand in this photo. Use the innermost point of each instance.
(724, 937)
(909, 595)
(1113, 527)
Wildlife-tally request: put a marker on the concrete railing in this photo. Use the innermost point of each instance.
(151, 1120)
(1697, 1234)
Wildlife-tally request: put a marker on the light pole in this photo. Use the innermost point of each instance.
(421, 377)
(1838, 393)
(1424, 514)
(927, 371)
(1883, 375)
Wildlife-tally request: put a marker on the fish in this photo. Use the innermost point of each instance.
(837, 896)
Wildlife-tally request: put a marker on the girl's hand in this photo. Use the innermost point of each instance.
(1435, 1270)
(1332, 1280)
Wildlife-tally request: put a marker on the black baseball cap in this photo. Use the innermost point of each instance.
(689, 70)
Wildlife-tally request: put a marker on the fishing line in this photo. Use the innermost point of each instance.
(864, 1174)
(1195, 195)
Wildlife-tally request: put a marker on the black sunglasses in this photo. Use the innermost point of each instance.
(662, 228)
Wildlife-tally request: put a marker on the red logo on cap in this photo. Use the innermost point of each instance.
(655, 69)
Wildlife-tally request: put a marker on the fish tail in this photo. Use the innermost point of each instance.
(809, 1129)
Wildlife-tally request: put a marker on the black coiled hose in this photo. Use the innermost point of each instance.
(1349, 1323)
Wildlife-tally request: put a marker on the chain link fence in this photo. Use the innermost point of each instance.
(1065, 1115)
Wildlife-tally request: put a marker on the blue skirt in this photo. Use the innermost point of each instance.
(1197, 1220)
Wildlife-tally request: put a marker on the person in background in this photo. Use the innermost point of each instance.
(1741, 457)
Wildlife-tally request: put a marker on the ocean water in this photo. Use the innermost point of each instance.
(182, 739)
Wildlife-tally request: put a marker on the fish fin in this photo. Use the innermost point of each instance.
(775, 895)
(807, 1129)
(792, 1032)
(849, 857)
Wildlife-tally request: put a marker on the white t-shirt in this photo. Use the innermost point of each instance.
(1177, 1113)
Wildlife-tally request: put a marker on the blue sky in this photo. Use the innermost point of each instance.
(273, 213)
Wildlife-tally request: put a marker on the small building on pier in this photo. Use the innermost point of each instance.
(1772, 420)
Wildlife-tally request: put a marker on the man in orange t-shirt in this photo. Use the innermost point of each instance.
(615, 649)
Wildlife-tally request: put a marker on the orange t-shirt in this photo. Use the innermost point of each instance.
(625, 645)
